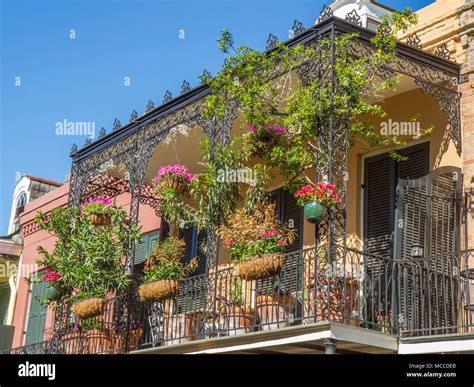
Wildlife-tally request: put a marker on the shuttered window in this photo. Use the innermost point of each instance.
(381, 178)
(4, 302)
(193, 248)
(144, 247)
(290, 214)
(37, 315)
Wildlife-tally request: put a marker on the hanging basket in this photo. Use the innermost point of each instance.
(265, 266)
(52, 293)
(172, 181)
(158, 290)
(315, 212)
(89, 307)
(100, 219)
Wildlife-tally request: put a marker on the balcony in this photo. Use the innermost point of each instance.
(397, 299)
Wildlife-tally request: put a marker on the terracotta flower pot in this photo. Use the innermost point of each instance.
(180, 328)
(261, 267)
(158, 290)
(274, 310)
(89, 307)
(119, 340)
(98, 342)
(73, 343)
(335, 298)
(100, 219)
(239, 320)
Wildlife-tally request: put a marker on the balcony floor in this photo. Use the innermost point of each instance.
(306, 339)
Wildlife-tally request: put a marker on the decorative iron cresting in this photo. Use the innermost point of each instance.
(354, 18)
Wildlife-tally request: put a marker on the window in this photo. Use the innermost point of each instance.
(37, 315)
(372, 24)
(4, 302)
(381, 178)
(194, 242)
(20, 204)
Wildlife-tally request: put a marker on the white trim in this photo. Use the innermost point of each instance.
(270, 343)
(436, 347)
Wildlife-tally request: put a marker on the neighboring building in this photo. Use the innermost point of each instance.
(27, 189)
(10, 252)
(410, 288)
(367, 12)
(33, 321)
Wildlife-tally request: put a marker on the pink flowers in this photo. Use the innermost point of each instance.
(279, 130)
(272, 128)
(251, 127)
(228, 244)
(177, 169)
(51, 276)
(267, 234)
(323, 193)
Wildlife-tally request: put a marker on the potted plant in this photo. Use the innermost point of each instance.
(164, 269)
(274, 309)
(255, 241)
(95, 338)
(317, 200)
(98, 211)
(119, 335)
(263, 138)
(176, 177)
(52, 280)
(238, 317)
(332, 292)
(89, 259)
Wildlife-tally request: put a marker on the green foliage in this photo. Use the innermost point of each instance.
(268, 94)
(164, 262)
(89, 258)
(212, 197)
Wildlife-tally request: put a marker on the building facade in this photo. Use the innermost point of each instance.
(398, 289)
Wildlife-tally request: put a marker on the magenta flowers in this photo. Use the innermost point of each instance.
(104, 201)
(177, 169)
(51, 276)
(272, 128)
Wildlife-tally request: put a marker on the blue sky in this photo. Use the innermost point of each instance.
(83, 79)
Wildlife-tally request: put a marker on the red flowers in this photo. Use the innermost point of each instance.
(322, 193)
(51, 276)
(267, 234)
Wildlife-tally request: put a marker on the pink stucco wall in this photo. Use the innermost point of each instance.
(33, 237)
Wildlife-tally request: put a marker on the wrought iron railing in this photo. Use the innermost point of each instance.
(412, 297)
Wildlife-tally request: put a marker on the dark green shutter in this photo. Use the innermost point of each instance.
(37, 315)
(381, 178)
(188, 236)
(201, 242)
(144, 247)
(379, 192)
(141, 251)
(4, 302)
(292, 215)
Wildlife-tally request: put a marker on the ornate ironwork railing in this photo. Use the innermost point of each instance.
(411, 297)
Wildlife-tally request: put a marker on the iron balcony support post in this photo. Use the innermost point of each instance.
(330, 346)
